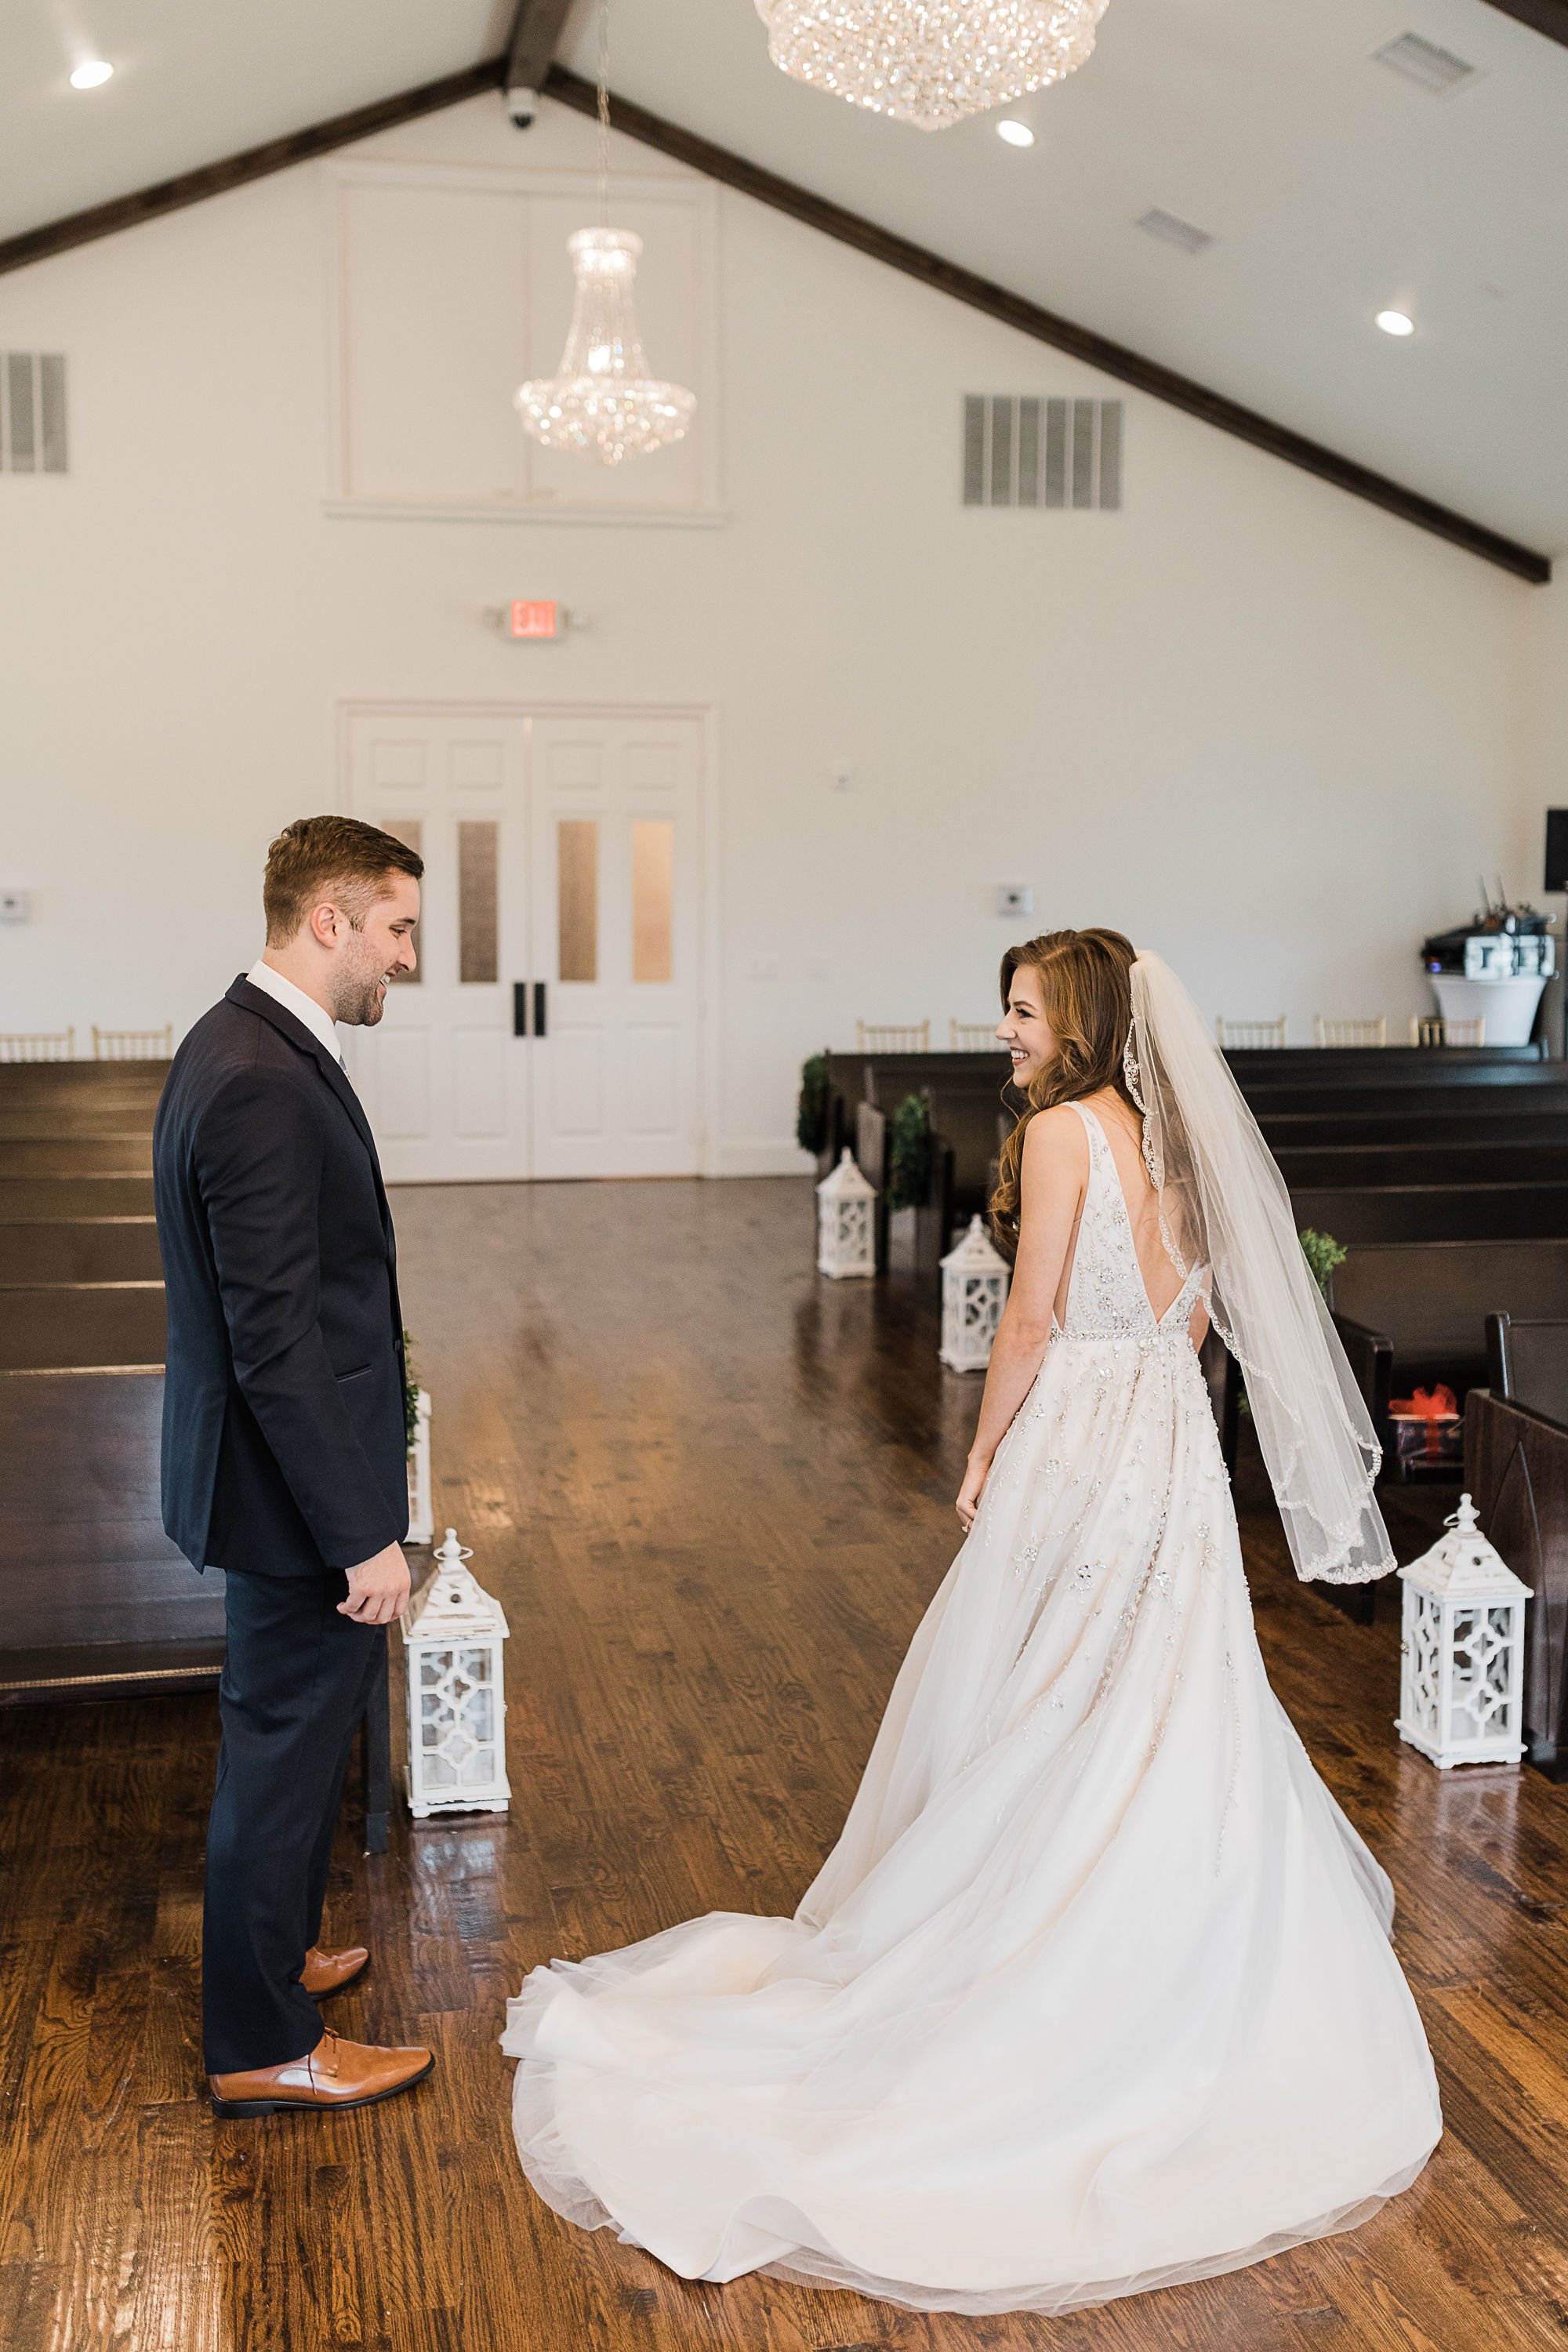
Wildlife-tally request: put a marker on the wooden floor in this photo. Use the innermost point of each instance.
(714, 1494)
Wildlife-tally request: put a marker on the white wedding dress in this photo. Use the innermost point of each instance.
(1095, 1993)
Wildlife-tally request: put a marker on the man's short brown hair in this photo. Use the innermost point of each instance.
(320, 857)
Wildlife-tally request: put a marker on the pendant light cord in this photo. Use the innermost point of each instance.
(603, 114)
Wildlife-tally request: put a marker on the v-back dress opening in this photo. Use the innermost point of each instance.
(1095, 1993)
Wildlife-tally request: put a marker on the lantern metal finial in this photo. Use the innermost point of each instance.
(1461, 1697)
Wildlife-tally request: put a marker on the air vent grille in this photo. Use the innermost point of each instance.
(32, 411)
(1424, 63)
(1171, 229)
(1041, 453)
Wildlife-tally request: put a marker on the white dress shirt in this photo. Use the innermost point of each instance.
(316, 1017)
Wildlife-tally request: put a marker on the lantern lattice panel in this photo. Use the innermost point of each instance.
(457, 1720)
(1423, 1665)
(976, 1312)
(1483, 1640)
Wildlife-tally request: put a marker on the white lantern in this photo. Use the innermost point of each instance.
(974, 1281)
(1462, 1687)
(845, 1231)
(421, 1503)
(452, 1636)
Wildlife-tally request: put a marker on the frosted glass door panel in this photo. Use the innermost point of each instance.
(478, 900)
(653, 899)
(617, 1087)
(577, 849)
(444, 1082)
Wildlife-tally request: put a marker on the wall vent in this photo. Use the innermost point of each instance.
(1171, 229)
(32, 411)
(1041, 453)
(1424, 63)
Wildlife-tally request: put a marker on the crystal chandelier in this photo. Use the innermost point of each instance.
(602, 400)
(929, 62)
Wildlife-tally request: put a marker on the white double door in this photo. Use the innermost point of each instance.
(554, 1026)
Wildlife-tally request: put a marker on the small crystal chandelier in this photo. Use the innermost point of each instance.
(602, 400)
(929, 62)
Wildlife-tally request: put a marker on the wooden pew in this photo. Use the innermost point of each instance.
(1437, 1132)
(1254, 1067)
(78, 1155)
(79, 1249)
(1433, 1212)
(66, 1082)
(1414, 1313)
(48, 1199)
(92, 1593)
(1516, 1467)
(1356, 1167)
(94, 1599)
(47, 1327)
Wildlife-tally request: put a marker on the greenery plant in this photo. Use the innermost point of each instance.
(811, 1111)
(910, 1156)
(1322, 1255)
(410, 1391)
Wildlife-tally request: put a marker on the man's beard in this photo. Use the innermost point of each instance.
(361, 1002)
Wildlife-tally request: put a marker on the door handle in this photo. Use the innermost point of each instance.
(520, 1008)
(539, 1023)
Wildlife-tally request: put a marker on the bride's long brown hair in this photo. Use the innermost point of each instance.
(1085, 981)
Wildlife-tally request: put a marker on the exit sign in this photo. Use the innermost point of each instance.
(532, 620)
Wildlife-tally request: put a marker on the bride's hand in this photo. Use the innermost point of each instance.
(969, 1493)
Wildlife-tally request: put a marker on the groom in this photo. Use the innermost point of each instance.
(284, 1458)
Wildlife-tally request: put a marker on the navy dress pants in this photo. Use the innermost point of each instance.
(293, 1687)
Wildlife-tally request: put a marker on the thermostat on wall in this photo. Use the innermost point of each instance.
(1015, 897)
(16, 906)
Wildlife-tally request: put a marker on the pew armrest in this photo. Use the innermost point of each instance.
(1371, 1355)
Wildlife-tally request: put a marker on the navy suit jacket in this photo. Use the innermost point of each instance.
(284, 1449)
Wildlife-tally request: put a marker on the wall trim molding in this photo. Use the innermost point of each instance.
(846, 228)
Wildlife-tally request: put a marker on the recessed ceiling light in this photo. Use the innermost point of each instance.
(1394, 323)
(1016, 134)
(89, 75)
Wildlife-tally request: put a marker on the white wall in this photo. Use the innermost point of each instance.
(1252, 721)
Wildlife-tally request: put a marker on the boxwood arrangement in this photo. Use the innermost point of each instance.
(910, 1155)
(811, 1110)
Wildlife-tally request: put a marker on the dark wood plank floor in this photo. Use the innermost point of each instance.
(714, 1496)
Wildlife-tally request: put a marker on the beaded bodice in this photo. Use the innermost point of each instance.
(1106, 1295)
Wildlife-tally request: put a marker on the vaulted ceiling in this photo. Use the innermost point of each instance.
(1331, 186)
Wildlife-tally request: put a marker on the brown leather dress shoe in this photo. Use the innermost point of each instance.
(326, 1972)
(336, 2074)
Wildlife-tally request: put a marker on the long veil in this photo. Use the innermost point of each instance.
(1223, 1204)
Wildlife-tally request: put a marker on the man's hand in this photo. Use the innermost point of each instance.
(377, 1588)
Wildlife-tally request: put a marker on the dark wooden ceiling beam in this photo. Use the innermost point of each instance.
(830, 219)
(535, 30)
(1547, 17)
(1044, 326)
(252, 164)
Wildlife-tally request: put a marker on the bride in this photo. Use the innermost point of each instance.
(1095, 1992)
